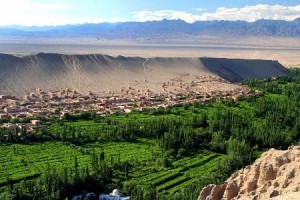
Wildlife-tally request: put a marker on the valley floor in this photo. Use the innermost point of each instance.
(170, 153)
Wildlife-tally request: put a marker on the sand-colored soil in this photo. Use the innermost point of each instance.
(285, 50)
(100, 73)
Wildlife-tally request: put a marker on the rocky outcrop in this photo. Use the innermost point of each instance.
(275, 175)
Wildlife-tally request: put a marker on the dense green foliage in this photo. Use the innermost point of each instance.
(167, 153)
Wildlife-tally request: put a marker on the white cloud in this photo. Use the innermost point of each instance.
(30, 12)
(199, 9)
(39, 13)
(248, 13)
(164, 14)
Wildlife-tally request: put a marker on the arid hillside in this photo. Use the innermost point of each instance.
(276, 175)
(99, 73)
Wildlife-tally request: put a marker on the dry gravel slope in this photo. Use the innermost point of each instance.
(275, 175)
(99, 73)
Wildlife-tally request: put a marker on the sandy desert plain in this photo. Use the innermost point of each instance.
(285, 50)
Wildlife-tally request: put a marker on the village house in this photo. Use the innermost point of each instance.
(13, 109)
(35, 122)
(12, 102)
(20, 115)
(3, 115)
(9, 126)
(5, 97)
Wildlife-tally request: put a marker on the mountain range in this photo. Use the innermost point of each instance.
(164, 28)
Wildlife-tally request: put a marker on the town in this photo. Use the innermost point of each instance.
(177, 91)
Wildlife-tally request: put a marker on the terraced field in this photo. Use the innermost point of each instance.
(142, 150)
(20, 162)
(182, 173)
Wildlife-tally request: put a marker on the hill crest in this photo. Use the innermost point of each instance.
(98, 73)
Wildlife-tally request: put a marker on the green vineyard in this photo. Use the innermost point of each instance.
(28, 162)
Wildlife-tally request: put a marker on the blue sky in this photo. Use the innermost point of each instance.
(59, 12)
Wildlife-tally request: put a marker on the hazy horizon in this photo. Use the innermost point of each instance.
(95, 23)
(67, 12)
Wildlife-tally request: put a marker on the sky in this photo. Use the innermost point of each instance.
(61, 12)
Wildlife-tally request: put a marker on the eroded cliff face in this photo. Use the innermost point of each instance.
(99, 73)
(276, 174)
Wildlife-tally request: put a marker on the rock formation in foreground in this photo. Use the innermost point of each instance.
(275, 175)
